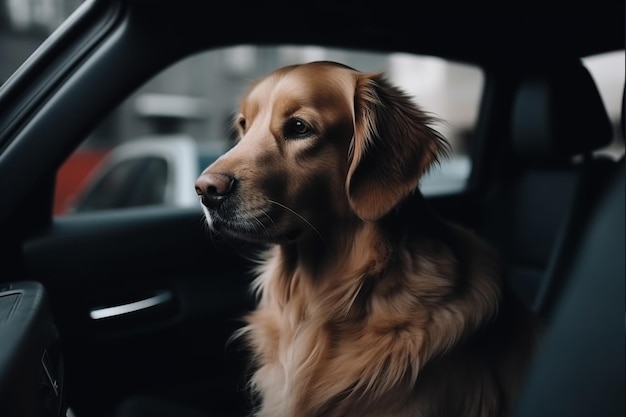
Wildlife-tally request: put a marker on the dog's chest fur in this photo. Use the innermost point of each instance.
(307, 331)
(353, 344)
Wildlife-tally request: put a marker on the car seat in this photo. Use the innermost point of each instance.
(558, 120)
(579, 368)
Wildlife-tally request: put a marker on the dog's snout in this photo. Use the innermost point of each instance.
(213, 188)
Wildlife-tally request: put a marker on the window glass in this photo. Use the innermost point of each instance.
(151, 185)
(185, 115)
(113, 188)
(608, 71)
(135, 182)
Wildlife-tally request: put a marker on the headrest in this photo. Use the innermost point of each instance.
(558, 113)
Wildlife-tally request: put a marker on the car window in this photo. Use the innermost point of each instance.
(608, 72)
(195, 100)
(113, 188)
(135, 182)
(150, 186)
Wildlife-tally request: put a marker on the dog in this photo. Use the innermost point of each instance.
(369, 304)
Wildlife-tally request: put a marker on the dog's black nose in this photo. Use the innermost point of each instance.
(213, 188)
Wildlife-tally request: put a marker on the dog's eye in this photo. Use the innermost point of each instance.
(296, 129)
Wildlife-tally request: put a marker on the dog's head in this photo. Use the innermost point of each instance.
(319, 144)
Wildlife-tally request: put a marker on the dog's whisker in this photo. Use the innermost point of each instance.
(262, 226)
(270, 219)
(301, 218)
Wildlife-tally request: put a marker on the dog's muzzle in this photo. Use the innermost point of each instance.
(214, 188)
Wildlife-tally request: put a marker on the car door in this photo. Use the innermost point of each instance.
(144, 299)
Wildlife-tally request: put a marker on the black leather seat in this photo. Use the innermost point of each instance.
(557, 115)
(580, 368)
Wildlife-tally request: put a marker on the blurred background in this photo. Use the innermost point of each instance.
(149, 150)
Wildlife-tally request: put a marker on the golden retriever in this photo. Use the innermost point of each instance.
(369, 303)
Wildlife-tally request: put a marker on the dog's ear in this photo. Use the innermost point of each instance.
(393, 146)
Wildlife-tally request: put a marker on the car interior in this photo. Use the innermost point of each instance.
(123, 313)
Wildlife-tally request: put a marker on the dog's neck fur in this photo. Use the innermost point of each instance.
(360, 260)
(305, 282)
(313, 253)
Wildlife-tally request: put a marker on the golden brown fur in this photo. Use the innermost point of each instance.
(369, 304)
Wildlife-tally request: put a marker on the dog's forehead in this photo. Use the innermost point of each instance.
(318, 81)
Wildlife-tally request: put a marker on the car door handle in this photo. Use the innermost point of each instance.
(158, 299)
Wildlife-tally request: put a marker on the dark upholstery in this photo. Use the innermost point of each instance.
(153, 407)
(557, 114)
(579, 370)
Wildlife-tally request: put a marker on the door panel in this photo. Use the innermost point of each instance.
(183, 293)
